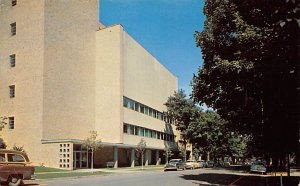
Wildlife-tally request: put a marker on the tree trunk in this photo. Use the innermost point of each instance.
(92, 161)
(208, 158)
(288, 165)
(142, 160)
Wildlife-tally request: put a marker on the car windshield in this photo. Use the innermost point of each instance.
(174, 161)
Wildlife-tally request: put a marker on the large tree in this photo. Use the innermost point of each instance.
(250, 73)
(184, 112)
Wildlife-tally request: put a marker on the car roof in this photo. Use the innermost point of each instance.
(15, 152)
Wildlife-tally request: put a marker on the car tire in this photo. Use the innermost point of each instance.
(15, 180)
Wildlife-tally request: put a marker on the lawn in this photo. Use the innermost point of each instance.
(40, 169)
(50, 173)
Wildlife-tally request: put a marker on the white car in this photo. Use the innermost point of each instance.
(192, 164)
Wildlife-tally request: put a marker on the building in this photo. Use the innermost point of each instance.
(64, 74)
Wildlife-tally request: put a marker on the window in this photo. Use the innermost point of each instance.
(142, 108)
(2, 157)
(12, 91)
(137, 106)
(12, 60)
(13, 29)
(141, 133)
(125, 129)
(131, 129)
(13, 2)
(136, 130)
(11, 122)
(15, 158)
(146, 110)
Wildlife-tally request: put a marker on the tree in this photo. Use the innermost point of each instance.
(19, 148)
(2, 144)
(2, 124)
(210, 134)
(250, 73)
(184, 112)
(92, 144)
(141, 147)
(168, 153)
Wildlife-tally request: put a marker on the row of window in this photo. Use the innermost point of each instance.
(12, 57)
(139, 107)
(145, 132)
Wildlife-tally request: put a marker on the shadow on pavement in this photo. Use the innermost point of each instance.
(238, 180)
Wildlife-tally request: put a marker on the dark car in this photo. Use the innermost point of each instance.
(14, 167)
(175, 164)
(210, 163)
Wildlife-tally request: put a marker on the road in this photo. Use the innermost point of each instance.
(198, 177)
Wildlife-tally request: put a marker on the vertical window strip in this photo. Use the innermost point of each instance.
(13, 28)
(11, 122)
(13, 2)
(12, 60)
(12, 91)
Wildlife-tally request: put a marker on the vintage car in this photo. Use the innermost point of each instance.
(175, 164)
(258, 167)
(14, 167)
(192, 164)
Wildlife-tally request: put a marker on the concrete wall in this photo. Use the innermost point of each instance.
(109, 77)
(69, 68)
(150, 83)
(27, 75)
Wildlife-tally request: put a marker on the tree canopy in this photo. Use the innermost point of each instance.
(250, 74)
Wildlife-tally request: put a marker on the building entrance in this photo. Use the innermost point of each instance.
(80, 157)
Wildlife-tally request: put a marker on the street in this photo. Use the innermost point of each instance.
(198, 177)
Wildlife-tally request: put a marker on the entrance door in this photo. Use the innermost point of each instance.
(80, 159)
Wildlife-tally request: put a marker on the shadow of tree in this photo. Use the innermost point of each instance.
(238, 180)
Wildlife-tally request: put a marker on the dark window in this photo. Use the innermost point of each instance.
(15, 158)
(12, 91)
(125, 129)
(136, 130)
(2, 157)
(136, 106)
(13, 28)
(12, 60)
(11, 122)
(13, 2)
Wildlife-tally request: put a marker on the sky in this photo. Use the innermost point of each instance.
(165, 28)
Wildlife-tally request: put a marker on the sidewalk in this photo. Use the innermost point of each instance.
(123, 169)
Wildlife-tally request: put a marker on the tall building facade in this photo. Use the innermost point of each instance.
(63, 74)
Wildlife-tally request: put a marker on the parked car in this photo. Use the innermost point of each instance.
(14, 167)
(175, 164)
(210, 163)
(227, 164)
(201, 163)
(258, 167)
(192, 164)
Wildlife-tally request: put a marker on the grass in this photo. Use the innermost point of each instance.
(52, 175)
(40, 169)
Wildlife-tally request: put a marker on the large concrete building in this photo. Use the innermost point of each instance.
(64, 74)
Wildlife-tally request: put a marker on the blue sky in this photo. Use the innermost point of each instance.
(165, 28)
